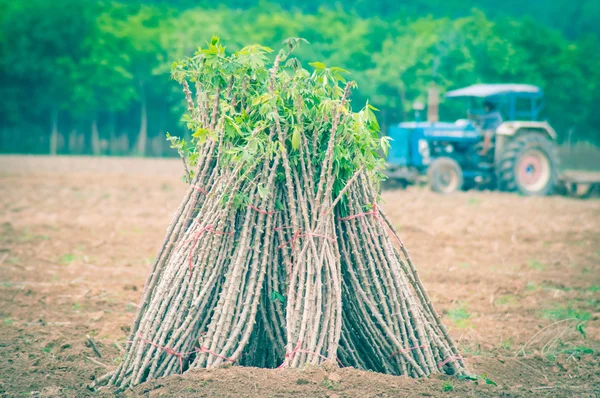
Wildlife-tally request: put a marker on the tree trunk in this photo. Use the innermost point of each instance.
(54, 132)
(95, 137)
(143, 134)
(112, 133)
(402, 102)
(72, 141)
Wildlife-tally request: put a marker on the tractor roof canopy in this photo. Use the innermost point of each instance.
(492, 90)
(516, 101)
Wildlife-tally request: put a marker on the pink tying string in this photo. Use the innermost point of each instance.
(168, 350)
(197, 188)
(407, 349)
(448, 360)
(194, 239)
(282, 228)
(297, 235)
(297, 349)
(206, 350)
(261, 211)
(374, 212)
(291, 354)
(181, 355)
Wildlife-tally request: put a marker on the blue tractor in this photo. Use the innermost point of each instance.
(518, 155)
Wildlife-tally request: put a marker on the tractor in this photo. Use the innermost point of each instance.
(519, 154)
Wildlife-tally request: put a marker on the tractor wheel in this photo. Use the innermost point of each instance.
(445, 175)
(529, 165)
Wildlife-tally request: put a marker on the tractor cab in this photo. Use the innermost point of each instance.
(457, 155)
(513, 101)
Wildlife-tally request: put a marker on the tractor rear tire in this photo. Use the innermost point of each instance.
(445, 176)
(529, 165)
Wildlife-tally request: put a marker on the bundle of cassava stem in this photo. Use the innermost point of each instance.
(279, 254)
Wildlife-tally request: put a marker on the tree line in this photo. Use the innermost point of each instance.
(82, 77)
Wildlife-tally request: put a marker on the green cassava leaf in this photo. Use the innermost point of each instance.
(276, 296)
(296, 139)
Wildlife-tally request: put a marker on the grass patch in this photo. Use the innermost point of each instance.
(67, 259)
(330, 384)
(561, 313)
(530, 286)
(460, 316)
(579, 351)
(506, 300)
(506, 344)
(536, 265)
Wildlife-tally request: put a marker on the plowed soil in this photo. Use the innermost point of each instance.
(516, 279)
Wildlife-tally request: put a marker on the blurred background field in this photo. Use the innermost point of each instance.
(86, 77)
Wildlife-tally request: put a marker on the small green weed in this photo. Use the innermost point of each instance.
(579, 351)
(476, 379)
(14, 260)
(560, 313)
(506, 344)
(330, 384)
(472, 350)
(67, 259)
(447, 386)
(580, 327)
(460, 316)
(8, 321)
(530, 286)
(536, 265)
(48, 348)
(506, 300)
(474, 201)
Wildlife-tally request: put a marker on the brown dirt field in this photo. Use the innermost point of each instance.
(512, 276)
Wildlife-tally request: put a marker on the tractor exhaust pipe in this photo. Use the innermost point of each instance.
(433, 103)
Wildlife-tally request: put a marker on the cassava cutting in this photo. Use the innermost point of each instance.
(279, 254)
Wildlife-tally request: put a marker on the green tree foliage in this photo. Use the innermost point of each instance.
(82, 77)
